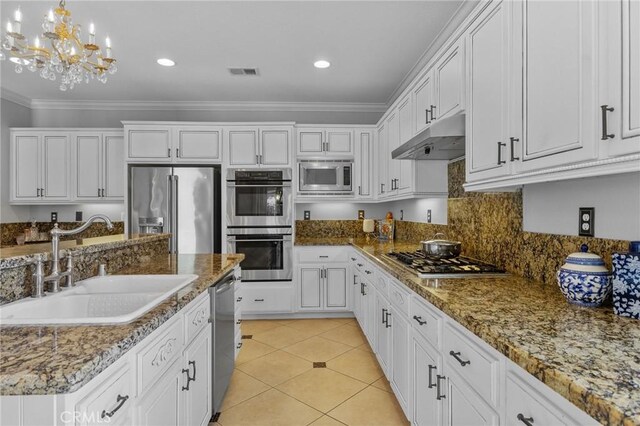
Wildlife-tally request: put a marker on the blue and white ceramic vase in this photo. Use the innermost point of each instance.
(584, 279)
(626, 282)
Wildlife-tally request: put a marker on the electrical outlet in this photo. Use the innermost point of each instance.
(360, 214)
(78, 216)
(307, 214)
(586, 221)
(429, 216)
(54, 217)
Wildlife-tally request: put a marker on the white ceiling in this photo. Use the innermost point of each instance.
(372, 45)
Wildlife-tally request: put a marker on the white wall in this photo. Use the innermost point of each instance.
(552, 207)
(415, 210)
(11, 115)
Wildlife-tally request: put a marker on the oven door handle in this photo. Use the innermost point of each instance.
(283, 240)
(256, 185)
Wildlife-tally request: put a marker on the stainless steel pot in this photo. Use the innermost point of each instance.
(441, 248)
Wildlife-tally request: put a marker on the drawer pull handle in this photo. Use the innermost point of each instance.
(431, 368)
(456, 355)
(439, 396)
(120, 400)
(386, 320)
(239, 345)
(526, 420)
(239, 299)
(323, 257)
(258, 300)
(239, 321)
(353, 259)
(368, 272)
(500, 160)
(360, 265)
(384, 316)
(419, 320)
(605, 134)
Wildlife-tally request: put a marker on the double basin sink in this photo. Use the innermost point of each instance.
(111, 299)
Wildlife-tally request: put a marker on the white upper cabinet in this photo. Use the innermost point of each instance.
(382, 161)
(259, 146)
(329, 141)
(99, 160)
(364, 163)
(40, 166)
(489, 75)
(449, 79)
(198, 144)
(423, 100)
(393, 141)
(149, 143)
(556, 92)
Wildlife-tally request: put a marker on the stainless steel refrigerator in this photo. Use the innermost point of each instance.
(183, 201)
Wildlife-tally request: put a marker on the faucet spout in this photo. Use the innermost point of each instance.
(57, 231)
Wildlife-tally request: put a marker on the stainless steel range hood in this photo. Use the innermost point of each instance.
(443, 140)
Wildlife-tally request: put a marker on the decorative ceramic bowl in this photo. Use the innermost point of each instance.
(583, 279)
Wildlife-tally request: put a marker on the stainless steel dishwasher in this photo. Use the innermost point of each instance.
(222, 308)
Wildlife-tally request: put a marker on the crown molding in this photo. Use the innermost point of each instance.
(14, 97)
(209, 106)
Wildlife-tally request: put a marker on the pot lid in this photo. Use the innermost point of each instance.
(584, 261)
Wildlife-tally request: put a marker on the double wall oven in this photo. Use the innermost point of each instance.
(259, 222)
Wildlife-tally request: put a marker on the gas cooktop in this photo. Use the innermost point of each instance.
(430, 267)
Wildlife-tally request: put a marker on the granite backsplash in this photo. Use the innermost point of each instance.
(9, 231)
(489, 225)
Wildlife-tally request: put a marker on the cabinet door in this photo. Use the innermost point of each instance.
(427, 410)
(149, 144)
(405, 124)
(274, 147)
(311, 287)
(383, 331)
(423, 101)
(393, 141)
(372, 313)
(114, 171)
(89, 166)
(310, 141)
(198, 144)
(400, 345)
(336, 287)
(57, 166)
(339, 141)
(489, 75)
(464, 407)
(26, 166)
(363, 162)
(161, 404)
(449, 75)
(243, 147)
(356, 297)
(383, 162)
(555, 54)
(197, 399)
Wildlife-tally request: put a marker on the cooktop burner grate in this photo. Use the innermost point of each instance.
(426, 266)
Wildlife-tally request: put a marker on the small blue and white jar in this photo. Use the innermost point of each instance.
(626, 282)
(584, 279)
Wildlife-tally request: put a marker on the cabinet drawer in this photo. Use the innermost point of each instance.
(425, 321)
(110, 403)
(382, 283)
(158, 356)
(267, 298)
(480, 368)
(322, 254)
(399, 297)
(524, 401)
(197, 318)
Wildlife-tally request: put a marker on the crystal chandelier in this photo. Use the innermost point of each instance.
(59, 51)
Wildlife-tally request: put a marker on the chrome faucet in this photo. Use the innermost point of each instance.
(56, 275)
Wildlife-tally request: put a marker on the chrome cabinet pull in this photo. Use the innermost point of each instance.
(513, 141)
(456, 355)
(426, 119)
(433, 108)
(431, 368)
(500, 160)
(419, 320)
(258, 300)
(526, 420)
(387, 315)
(605, 135)
(120, 400)
(169, 152)
(383, 315)
(439, 396)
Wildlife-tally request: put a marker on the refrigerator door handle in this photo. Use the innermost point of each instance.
(174, 213)
(172, 247)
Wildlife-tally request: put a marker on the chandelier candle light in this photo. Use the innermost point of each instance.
(67, 56)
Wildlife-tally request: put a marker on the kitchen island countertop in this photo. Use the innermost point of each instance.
(61, 359)
(590, 356)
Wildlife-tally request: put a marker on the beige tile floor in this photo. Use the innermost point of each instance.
(276, 384)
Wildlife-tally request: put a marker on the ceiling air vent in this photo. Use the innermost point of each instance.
(243, 71)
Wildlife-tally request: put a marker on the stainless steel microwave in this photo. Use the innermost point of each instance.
(325, 176)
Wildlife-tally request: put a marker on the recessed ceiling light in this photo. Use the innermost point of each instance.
(165, 62)
(322, 64)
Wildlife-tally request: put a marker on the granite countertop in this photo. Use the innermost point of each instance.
(20, 255)
(61, 359)
(588, 355)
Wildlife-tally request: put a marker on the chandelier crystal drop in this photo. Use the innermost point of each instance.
(58, 53)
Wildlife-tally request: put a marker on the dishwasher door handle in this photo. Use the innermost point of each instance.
(224, 287)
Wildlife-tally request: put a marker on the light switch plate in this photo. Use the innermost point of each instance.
(429, 216)
(586, 221)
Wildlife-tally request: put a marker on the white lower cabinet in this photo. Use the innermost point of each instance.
(197, 392)
(322, 279)
(463, 405)
(160, 406)
(400, 365)
(426, 365)
(383, 332)
(267, 297)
